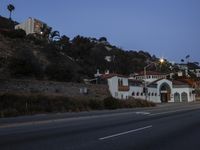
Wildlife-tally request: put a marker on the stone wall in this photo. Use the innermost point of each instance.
(55, 88)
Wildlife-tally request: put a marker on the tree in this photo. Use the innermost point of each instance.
(10, 8)
(187, 58)
(54, 35)
(64, 42)
(46, 31)
(102, 39)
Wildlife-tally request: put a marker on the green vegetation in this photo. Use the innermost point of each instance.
(24, 63)
(54, 57)
(12, 104)
(14, 34)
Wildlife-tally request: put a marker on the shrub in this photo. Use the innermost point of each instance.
(132, 103)
(59, 72)
(19, 33)
(111, 103)
(12, 104)
(36, 39)
(24, 63)
(96, 104)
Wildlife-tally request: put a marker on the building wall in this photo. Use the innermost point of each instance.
(136, 92)
(52, 88)
(154, 93)
(180, 91)
(113, 87)
(150, 78)
(37, 26)
(30, 26)
(27, 26)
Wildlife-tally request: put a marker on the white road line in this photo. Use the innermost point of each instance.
(126, 132)
(142, 113)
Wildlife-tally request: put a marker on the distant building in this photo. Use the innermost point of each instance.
(194, 68)
(31, 26)
(190, 69)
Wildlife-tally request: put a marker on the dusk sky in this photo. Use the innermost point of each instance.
(166, 28)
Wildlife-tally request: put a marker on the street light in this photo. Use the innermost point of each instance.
(161, 60)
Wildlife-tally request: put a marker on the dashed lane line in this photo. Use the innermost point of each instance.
(126, 132)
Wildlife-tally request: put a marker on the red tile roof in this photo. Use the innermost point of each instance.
(184, 81)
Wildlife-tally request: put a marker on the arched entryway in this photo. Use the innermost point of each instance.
(177, 97)
(184, 97)
(165, 92)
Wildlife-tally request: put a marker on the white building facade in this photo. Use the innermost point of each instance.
(158, 91)
(31, 26)
(118, 87)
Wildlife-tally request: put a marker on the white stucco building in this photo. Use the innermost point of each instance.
(31, 26)
(158, 91)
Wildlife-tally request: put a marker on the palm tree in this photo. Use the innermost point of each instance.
(10, 8)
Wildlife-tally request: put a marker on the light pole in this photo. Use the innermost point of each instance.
(161, 60)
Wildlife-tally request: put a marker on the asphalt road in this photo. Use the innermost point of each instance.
(165, 127)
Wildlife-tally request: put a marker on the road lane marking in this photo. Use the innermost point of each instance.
(10, 125)
(142, 113)
(126, 132)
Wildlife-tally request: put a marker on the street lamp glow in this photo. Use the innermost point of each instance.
(162, 60)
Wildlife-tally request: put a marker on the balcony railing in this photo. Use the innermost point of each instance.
(123, 88)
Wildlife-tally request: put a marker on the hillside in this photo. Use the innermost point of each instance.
(54, 57)
(7, 23)
(65, 60)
